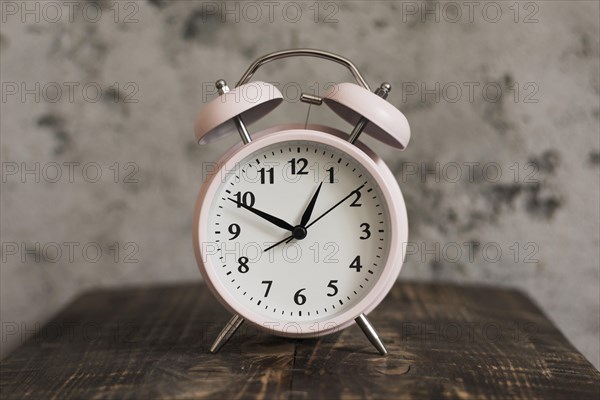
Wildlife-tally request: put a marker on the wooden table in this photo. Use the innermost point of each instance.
(445, 341)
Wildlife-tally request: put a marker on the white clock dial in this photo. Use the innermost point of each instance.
(332, 259)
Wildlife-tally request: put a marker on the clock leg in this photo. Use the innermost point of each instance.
(226, 333)
(368, 329)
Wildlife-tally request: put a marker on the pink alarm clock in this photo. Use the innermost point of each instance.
(301, 230)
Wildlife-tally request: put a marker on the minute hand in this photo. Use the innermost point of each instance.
(272, 219)
(336, 204)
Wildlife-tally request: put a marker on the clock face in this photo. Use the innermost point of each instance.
(298, 232)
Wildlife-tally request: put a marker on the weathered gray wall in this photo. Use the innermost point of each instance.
(545, 125)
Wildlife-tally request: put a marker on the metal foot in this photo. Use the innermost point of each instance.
(226, 333)
(368, 329)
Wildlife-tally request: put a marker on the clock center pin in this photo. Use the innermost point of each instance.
(299, 232)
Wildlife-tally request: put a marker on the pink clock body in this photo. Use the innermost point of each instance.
(301, 229)
(349, 259)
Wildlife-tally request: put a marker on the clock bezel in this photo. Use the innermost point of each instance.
(389, 189)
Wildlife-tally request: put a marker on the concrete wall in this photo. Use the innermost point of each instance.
(488, 90)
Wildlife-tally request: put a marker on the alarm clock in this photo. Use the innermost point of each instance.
(300, 229)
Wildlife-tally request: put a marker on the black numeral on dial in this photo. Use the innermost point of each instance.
(267, 174)
(299, 298)
(332, 286)
(365, 229)
(268, 283)
(331, 178)
(247, 199)
(243, 267)
(298, 166)
(355, 203)
(235, 230)
(356, 264)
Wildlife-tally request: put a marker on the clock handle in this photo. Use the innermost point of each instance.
(304, 53)
(226, 333)
(371, 333)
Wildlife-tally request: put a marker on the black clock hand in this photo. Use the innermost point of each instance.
(305, 217)
(278, 243)
(321, 216)
(311, 206)
(336, 204)
(309, 209)
(272, 219)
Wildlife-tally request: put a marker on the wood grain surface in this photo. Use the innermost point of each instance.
(445, 342)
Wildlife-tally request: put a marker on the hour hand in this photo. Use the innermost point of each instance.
(272, 219)
(307, 213)
(311, 206)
